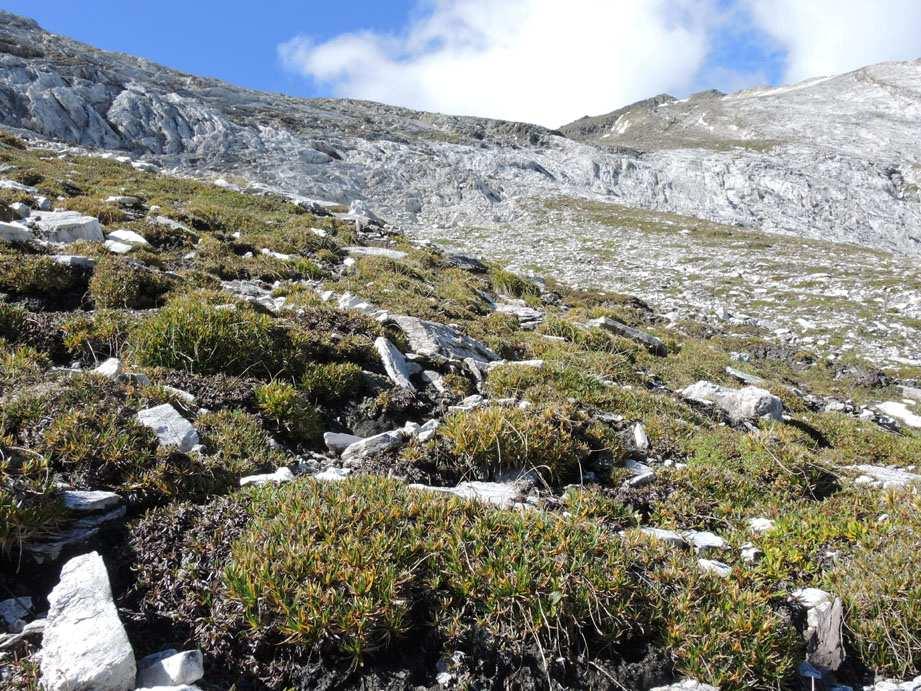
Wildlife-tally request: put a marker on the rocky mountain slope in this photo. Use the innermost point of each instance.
(840, 164)
(251, 440)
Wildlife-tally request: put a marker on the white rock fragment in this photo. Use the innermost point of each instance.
(653, 344)
(640, 439)
(427, 431)
(376, 252)
(20, 209)
(749, 402)
(110, 369)
(717, 568)
(703, 541)
(372, 445)
(502, 494)
(116, 247)
(85, 646)
(43, 204)
(88, 501)
(824, 624)
(280, 476)
(170, 427)
(668, 536)
(760, 525)
(332, 474)
(337, 442)
(179, 668)
(128, 237)
(894, 685)
(686, 685)
(394, 363)
(123, 200)
(750, 554)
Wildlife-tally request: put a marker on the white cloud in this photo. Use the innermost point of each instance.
(823, 37)
(545, 61)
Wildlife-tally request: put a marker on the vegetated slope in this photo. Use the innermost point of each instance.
(561, 418)
(841, 166)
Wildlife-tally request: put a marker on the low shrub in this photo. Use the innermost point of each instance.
(237, 443)
(119, 283)
(288, 411)
(485, 442)
(332, 383)
(882, 593)
(354, 567)
(190, 334)
(106, 213)
(29, 509)
(38, 275)
(98, 335)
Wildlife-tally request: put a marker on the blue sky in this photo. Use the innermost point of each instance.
(544, 61)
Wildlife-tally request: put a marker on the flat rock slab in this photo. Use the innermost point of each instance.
(652, 344)
(396, 255)
(502, 494)
(433, 339)
(279, 477)
(885, 478)
(170, 427)
(82, 501)
(127, 236)
(748, 403)
(66, 226)
(376, 444)
(85, 647)
(908, 416)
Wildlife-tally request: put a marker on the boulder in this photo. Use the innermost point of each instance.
(85, 647)
(394, 363)
(171, 669)
(170, 427)
(651, 343)
(433, 339)
(67, 226)
(746, 403)
(15, 232)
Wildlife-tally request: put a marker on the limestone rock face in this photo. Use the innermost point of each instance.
(832, 158)
(85, 647)
(66, 226)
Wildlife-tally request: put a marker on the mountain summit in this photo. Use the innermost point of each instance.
(833, 158)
